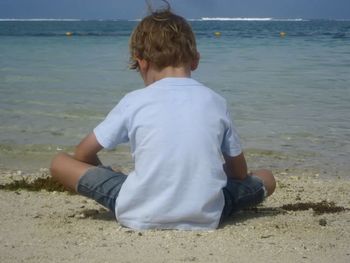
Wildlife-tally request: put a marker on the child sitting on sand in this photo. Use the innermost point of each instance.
(190, 172)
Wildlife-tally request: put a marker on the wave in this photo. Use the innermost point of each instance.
(248, 19)
(61, 19)
(234, 19)
(39, 19)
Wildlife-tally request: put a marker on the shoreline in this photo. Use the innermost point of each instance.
(30, 158)
(56, 226)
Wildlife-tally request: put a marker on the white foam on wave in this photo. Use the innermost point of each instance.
(38, 19)
(248, 19)
(290, 19)
(235, 19)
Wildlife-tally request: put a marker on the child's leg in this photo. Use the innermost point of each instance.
(96, 182)
(268, 179)
(251, 191)
(66, 170)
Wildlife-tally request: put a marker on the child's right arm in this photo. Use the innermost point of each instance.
(235, 167)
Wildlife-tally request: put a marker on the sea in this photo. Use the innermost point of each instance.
(287, 82)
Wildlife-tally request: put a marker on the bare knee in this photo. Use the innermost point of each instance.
(67, 170)
(268, 178)
(57, 163)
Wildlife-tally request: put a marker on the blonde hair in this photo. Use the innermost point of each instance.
(163, 39)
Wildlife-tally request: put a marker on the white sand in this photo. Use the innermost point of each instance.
(58, 227)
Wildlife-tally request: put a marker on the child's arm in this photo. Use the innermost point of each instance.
(235, 167)
(87, 150)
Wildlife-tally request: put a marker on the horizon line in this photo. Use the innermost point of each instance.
(189, 19)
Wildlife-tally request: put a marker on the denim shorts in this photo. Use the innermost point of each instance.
(241, 194)
(103, 185)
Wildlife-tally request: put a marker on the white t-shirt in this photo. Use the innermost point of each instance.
(177, 129)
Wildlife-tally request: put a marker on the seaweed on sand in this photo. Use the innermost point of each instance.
(38, 184)
(318, 208)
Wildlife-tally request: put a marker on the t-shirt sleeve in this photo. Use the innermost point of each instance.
(231, 144)
(113, 130)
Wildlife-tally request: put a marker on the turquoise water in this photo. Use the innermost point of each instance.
(289, 94)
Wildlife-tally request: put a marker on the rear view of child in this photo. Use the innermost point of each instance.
(190, 172)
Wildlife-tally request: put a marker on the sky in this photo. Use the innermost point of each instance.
(134, 9)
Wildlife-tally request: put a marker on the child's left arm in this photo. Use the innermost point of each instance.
(87, 150)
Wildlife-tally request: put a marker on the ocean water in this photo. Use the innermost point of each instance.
(289, 95)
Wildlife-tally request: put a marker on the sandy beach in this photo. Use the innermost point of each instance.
(44, 226)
